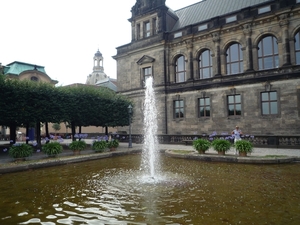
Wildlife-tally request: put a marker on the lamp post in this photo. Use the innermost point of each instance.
(130, 140)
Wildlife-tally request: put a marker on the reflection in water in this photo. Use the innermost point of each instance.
(113, 191)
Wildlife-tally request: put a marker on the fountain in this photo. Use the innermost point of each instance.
(148, 189)
(150, 156)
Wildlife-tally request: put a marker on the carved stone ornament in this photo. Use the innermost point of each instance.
(247, 29)
(268, 86)
(142, 6)
(233, 91)
(145, 59)
(216, 36)
(283, 20)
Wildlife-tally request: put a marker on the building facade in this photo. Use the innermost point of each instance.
(216, 64)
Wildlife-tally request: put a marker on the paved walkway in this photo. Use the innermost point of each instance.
(39, 159)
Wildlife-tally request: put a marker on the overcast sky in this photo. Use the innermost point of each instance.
(64, 35)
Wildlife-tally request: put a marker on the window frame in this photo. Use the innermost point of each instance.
(179, 72)
(230, 61)
(234, 104)
(202, 67)
(146, 69)
(34, 78)
(180, 107)
(147, 30)
(261, 55)
(269, 102)
(231, 19)
(297, 47)
(203, 27)
(178, 34)
(204, 107)
(264, 9)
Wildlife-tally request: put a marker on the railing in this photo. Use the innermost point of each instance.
(258, 140)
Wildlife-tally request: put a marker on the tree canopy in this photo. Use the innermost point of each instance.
(27, 102)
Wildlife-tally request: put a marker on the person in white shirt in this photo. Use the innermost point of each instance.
(236, 133)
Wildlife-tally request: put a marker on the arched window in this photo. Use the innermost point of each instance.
(205, 65)
(268, 53)
(34, 78)
(297, 48)
(234, 59)
(180, 69)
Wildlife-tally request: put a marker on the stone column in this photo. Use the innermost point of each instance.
(216, 40)
(172, 72)
(189, 71)
(247, 29)
(133, 30)
(284, 24)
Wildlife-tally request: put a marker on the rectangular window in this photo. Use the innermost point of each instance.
(204, 107)
(264, 9)
(297, 1)
(147, 29)
(234, 105)
(202, 27)
(147, 72)
(269, 104)
(230, 19)
(178, 109)
(178, 34)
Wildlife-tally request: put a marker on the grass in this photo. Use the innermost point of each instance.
(182, 151)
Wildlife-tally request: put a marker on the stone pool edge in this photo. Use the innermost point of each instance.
(50, 162)
(232, 158)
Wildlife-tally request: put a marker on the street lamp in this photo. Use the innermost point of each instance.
(130, 140)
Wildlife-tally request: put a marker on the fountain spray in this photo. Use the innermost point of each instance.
(150, 155)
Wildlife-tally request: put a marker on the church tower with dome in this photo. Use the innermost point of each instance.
(98, 70)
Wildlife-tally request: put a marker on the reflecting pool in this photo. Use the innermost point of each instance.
(114, 191)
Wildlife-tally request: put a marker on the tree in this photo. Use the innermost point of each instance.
(27, 103)
(56, 127)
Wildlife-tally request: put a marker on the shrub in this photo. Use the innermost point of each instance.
(77, 145)
(20, 150)
(201, 145)
(221, 145)
(99, 146)
(244, 146)
(114, 143)
(52, 148)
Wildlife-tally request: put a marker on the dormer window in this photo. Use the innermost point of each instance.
(202, 27)
(264, 9)
(34, 78)
(231, 19)
(178, 34)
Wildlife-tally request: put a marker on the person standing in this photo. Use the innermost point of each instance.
(236, 133)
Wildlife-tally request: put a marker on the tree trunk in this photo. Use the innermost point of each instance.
(12, 135)
(73, 131)
(47, 132)
(38, 135)
(27, 133)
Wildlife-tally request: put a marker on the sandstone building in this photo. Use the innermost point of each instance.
(215, 64)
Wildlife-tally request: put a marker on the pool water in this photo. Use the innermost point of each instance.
(115, 191)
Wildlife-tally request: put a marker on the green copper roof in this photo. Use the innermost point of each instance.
(16, 68)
